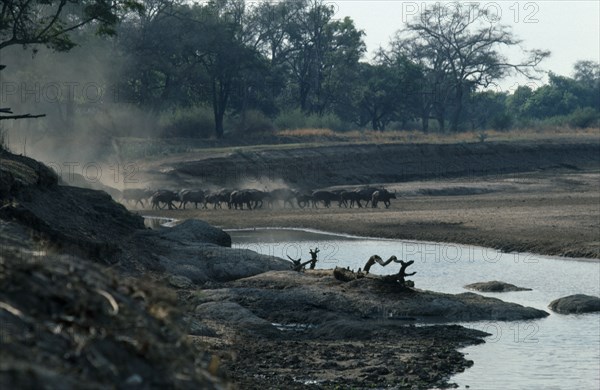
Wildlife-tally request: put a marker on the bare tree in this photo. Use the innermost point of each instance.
(460, 46)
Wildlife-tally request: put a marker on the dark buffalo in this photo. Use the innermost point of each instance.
(218, 198)
(214, 199)
(284, 195)
(350, 198)
(305, 200)
(250, 198)
(365, 194)
(164, 198)
(326, 197)
(192, 196)
(382, 196)
(137, 195)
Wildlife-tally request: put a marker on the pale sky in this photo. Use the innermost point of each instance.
(569, 29)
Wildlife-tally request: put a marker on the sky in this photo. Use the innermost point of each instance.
(569, 29)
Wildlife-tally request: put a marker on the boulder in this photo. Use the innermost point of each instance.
(495, 286)
(201, 253)
(195, 230)
(575, 304)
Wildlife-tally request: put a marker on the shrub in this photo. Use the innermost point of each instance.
(296, 119)
(189, 122)
(253, 122)
(584, 117)
(501, 121)
(290, 120)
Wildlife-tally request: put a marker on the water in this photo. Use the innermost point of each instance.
(557, 352)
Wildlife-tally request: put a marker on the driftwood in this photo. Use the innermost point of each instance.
(399, 277)
(313, 255)
(298, 265)
(346, 275)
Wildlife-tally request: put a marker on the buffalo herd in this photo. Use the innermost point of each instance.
(255, 199)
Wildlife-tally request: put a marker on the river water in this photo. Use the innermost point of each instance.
(557, 352)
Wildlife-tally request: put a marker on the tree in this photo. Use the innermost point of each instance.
(49, 22)
(228, 53)
(459, 44)
(561, 96)
(587, 72)
(321, 54)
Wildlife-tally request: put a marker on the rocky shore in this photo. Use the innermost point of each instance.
(96, 298)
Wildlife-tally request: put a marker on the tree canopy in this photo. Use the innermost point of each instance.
(224, 66)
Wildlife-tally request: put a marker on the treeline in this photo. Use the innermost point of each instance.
(226, 66)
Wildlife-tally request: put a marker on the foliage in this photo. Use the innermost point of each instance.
(190, 122)
(253, 122)
(584, 118)
(459, 47)
(296, 119)
(233, 68)
(49, 22)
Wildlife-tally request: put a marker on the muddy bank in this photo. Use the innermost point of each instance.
(70, 315)
(325, 166)
(67, 322)
(288, 330)
(91, 296)
(539, 197)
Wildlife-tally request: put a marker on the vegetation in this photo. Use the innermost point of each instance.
(223, 67)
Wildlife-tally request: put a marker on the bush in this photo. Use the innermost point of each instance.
(296, 119)
(501, 121)
(584, 118)
(189, 122)
(290, 120)
(252, 123)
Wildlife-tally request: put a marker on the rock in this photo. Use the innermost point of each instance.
(197, 328)
(233, 314)
(201, 253)
(495, 286)
(180, 281)
(575, 304)
(195, 230)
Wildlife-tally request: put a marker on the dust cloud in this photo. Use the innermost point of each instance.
(86, 113)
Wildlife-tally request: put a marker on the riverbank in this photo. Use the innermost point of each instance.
(79, 275)
(546, 212)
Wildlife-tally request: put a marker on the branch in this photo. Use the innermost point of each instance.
(25, 116)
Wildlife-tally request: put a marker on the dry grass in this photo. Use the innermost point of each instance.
(153, 149)
(306, 133)
(357, 136)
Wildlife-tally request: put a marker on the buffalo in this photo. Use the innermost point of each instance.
(284, 195)
(137, 195)
(250, 198)
(326, 197)
(218, 198)
(350, 198)
(192, 196)
(164, 198)
(382, 196)
(365, 194)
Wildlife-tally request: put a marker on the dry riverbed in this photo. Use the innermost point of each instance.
(553, 213)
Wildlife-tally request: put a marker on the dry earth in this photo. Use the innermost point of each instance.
(553, 212)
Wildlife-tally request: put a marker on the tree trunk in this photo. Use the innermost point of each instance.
(220, 97)
(457, 110)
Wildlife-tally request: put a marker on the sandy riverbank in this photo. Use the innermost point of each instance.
(552, 213)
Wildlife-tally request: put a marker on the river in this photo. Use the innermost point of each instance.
(557, 352)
